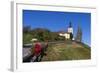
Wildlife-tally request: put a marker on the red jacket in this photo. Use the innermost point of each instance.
(37, 49)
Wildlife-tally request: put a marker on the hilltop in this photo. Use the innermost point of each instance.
(69, 50)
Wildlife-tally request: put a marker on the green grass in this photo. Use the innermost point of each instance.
(65, 51)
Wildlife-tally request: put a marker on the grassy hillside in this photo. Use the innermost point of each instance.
(67, 51)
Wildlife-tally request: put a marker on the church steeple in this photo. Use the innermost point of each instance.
(70, 30)
(70, 24)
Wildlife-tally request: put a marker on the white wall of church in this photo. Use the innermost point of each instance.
(66, 35)
(70, 30)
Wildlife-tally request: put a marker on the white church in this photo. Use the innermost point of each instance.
(69, 33)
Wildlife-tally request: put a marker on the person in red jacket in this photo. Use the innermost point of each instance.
(37, 51)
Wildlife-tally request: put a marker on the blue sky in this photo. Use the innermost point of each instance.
(58, 21)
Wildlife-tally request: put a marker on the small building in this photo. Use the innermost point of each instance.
(65, 34)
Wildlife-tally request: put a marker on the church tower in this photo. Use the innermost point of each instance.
(70, 30)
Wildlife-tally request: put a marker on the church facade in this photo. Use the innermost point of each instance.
(69, 33)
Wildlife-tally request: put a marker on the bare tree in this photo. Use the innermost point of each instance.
(79, 34)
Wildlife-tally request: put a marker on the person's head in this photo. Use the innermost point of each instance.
(35, 41)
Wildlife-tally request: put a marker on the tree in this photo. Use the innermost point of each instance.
(41, 34)
(79, 34)
(26, 29)
(71, 36)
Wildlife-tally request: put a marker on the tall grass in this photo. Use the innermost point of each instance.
(64, 51)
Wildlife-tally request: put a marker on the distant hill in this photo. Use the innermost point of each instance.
(69, 50)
